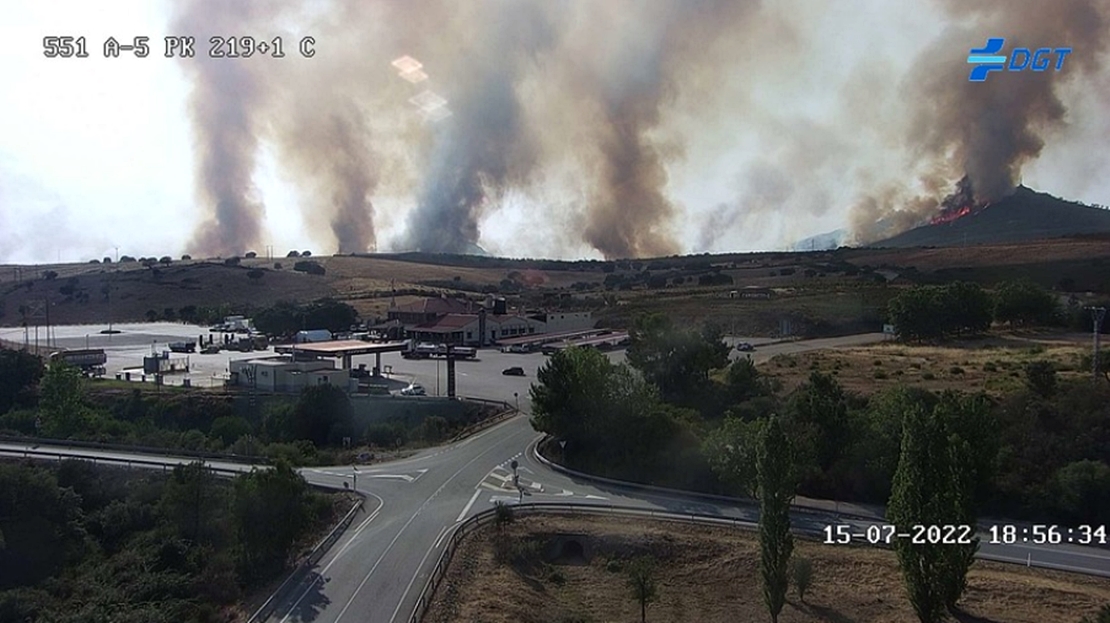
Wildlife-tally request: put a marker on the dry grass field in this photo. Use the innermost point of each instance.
(709, 574)
(823, 292)
(993, 364)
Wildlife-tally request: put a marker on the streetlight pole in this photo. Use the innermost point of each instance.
(516, 397)
(354, 477)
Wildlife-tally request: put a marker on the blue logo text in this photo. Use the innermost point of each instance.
(987, 59)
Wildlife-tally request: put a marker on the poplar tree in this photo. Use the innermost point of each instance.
(775, 477)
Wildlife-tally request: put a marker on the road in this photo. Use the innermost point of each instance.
(377, 569)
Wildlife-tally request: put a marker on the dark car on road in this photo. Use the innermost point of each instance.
(513, 371)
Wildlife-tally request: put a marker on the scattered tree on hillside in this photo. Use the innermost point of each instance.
(775, 469)
(1040, 377)
(928, 312)
(1024, 303)
(641, 579)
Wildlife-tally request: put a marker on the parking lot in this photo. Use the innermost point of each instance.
(481, 376)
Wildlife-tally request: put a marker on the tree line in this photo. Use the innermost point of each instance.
(55, 401)
(102, 544)
(957, 309)
(932, 458)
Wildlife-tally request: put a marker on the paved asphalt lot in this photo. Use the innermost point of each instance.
(377, 569)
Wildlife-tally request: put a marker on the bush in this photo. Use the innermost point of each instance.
(311, 268)
(802, 571)
(879, 374)
(990, 367)
(1040, 377)
(928, 376)
(503, 515)
(956, 370)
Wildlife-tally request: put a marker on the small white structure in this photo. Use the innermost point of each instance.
(282, 374)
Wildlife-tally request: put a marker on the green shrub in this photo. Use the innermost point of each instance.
(990, 367)
(928, 376)
(879, 374)
(956, 370)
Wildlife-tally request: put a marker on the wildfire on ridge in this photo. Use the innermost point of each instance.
(959, 204)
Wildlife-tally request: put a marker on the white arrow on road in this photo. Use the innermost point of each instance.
(404, 477)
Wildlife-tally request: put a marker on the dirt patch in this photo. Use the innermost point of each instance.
(707, 574)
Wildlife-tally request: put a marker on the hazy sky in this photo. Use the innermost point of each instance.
(98, 153)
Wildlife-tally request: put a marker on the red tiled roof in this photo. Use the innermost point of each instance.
(434, 306)
(450, 321)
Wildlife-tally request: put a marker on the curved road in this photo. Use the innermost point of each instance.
(375, 572)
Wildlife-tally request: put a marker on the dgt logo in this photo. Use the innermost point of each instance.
(987, 59)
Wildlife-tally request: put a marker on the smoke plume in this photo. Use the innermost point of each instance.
(225, 95)
(617, 97)
(485, 145)
(987, 130)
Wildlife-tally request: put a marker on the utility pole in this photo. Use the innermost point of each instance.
(1098, 314)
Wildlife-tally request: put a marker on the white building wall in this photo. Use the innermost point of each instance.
(557, 322)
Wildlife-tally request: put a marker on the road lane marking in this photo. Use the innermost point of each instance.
(343, 550)
(415, 575)
(404, 477)
(443, 534)
(468, 505)
(393, 542)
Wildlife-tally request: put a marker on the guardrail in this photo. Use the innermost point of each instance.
(129, 462)
(267, 608)
(484, 424)
(97, 445)
(826, 507)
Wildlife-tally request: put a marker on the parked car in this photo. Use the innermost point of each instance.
(513, 371)
(745, 347)
(415, 389)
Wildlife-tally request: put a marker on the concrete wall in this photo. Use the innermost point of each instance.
(557, 322)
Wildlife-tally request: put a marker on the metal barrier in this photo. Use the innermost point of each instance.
(484, 424)
(96, 445)
(821, 506)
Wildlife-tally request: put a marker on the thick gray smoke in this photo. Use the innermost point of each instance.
(633, 80)
(485, 145)
(986, 130)
(611, 92)
(225, 96)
